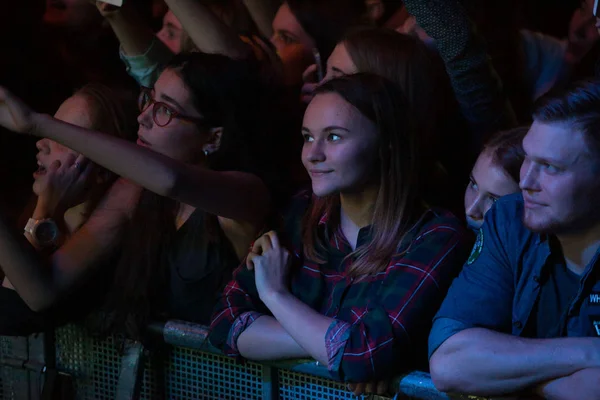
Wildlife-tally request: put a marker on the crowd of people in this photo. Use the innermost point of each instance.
(380, 185)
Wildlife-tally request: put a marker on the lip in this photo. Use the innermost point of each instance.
(142, 142)
(317, 172)
(529, 203)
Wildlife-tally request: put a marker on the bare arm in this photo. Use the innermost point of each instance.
(266, 339)
(40, 281)
(207, 31)
(305, 325)
(482, 362)
(212, 191)
(133, 34)
(262, 13)
(582, 385)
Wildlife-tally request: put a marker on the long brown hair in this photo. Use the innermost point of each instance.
(407, 62)
(398, 203)
(114, 112)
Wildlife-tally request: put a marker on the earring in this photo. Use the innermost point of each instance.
(205, 153)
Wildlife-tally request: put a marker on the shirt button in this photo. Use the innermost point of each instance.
(518, 324)
(536, 278)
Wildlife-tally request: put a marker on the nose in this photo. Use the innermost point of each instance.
(528, 176)
(145, 117)
(315, 152)
(476, 210)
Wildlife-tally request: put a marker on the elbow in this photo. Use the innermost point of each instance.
(446, 374)
(41, 303)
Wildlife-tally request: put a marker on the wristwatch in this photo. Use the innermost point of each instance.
(45, 232)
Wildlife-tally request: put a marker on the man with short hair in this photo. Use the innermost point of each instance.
(524, 314)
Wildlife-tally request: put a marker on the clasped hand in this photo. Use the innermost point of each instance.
(271, 264)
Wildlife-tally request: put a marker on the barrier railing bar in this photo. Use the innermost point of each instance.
(416, 384)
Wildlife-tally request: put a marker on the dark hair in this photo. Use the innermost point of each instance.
(326, 21)
(507, 150)
(113, 112)
(229, 94)
(404, 60)
(398, 203)
(578, 106)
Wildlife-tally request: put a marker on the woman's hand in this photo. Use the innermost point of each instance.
(379, 388)
(105, 9)
(14, 114)
(271, 264)
(62, 186)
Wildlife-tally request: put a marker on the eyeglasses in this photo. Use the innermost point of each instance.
(162, 113)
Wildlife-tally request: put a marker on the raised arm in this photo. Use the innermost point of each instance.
(207, 31)
(262, 13)
(215, 192)
(41, 281)
(476, 85)
(143, 54)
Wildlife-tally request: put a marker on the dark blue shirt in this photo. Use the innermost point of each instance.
(500, 283)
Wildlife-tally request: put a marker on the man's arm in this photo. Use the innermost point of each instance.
(482, 362)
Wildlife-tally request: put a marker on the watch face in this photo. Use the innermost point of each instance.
(46, 232)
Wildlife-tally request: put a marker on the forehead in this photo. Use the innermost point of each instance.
(491, 177)
(330, 109)
(554, 141)
(340, 57)
(76, 110)
(171, 85)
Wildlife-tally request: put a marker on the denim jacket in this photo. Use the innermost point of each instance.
(500, 283)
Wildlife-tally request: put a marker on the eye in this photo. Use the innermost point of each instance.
(549, 168)
(307, 138)
(285, 38)
(164, 110)
(473, 184)
(333, 137)
(493, 199)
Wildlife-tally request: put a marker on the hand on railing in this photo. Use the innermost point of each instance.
(380, 388)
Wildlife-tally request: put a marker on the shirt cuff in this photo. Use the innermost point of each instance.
(240, 325)
(144, 67)
(442, 330)
(335, 340)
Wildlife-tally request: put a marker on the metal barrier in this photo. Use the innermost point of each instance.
(184, 367)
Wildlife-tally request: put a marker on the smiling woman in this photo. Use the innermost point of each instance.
(369, 263)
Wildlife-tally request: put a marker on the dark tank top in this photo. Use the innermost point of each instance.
(200, 262)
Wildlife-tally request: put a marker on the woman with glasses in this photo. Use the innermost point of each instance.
(203, 142)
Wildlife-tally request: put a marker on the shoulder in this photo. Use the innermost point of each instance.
(437, 220)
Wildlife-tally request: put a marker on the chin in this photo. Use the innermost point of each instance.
(474, 226)
(321, 191)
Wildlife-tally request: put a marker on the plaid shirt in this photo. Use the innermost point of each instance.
(381, 323)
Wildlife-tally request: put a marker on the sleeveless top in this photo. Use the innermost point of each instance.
(199, 265)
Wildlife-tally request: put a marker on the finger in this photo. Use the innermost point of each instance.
(359, 389)
(262, 245)
(55, 166)
(382, 387)
(249, 260)
(310, 74)
(81, 163)
(351, 386)
(306, 98)
(274, 240)
(86, 170)
(370, 387)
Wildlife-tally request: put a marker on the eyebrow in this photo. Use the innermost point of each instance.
(171, 100)
(551, 161)
(336, 69)
(472, 178)
(328, 129)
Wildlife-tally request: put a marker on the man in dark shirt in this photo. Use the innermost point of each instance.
(524, 314)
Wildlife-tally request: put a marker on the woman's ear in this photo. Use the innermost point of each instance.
(214, 141)
(375, 9)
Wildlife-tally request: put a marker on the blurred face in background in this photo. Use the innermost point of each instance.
(71, 14)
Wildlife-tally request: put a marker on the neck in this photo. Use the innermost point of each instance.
(579, 249)
(358, 207)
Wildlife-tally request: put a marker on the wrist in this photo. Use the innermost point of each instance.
(274, 296)
(44, 209)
